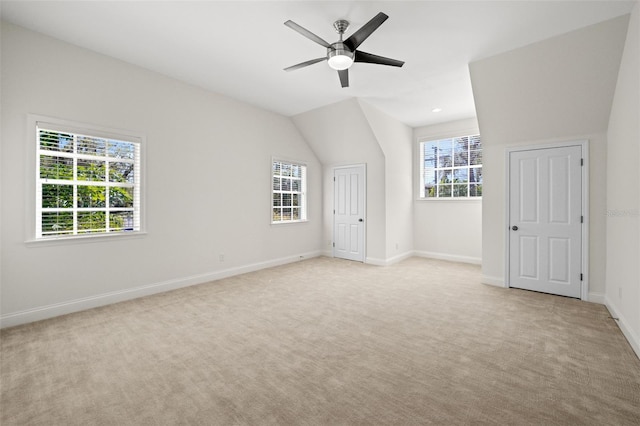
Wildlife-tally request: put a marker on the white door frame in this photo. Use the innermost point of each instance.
(364, 208)
(584, 144)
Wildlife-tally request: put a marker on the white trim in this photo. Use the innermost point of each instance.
(32, 165)
(400, 257)
(598, 298)
(425, 254)
(391, 260)
(80, 239)
(494, 281)
(418, 178)
(77, 305)
(303, 192)
(374, 261)
(585, 224)
(364, 208)
(584, 145)
(449, 200)
(449, 257)
(627, 331)
(424, 136)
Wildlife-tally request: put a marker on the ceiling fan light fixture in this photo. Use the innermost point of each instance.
(340, 59)
(342, 54)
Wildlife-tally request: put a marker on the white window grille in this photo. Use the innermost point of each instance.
(451, 168)
(289, 191)
(85, 184)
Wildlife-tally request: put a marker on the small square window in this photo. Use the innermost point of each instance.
(451, 168)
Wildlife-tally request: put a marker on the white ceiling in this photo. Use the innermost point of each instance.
(240, 48)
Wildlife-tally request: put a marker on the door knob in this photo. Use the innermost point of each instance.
(515, 228)
(360, 220)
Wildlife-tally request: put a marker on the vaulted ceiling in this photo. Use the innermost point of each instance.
(240, 48)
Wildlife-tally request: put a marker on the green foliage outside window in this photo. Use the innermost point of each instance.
(84, 189)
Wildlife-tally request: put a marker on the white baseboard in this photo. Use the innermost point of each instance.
(631, 337)
(596, 298)
(495, 281)
(450, 257)
(77, 305)
(400, 257)
(389, 261)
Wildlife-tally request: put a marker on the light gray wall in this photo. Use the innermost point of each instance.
(340, 135)
(446, 229)
(556, 90)
(354, 132)
(395, 139)
(207, 181)
(623, 190)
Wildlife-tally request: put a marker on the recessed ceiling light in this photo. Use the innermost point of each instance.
(436, 110)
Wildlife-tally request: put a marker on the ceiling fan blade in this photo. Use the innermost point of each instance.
(375, 59)
(305, 64)
(344, 77)
(305, 32)
(365, 31)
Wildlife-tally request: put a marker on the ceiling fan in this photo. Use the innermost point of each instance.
(342, 54)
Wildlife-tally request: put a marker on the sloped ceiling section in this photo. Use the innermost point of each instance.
(354, 132)
(239, 48)
(339, 134)
(396, 141)
(555, 88)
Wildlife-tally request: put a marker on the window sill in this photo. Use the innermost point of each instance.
(455, 200)
(290, 222)
(83, 239)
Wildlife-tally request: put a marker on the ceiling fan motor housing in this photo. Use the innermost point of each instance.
(340, 56)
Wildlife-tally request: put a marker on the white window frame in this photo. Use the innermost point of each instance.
(420, 178)
(302, 193)
(34, 231)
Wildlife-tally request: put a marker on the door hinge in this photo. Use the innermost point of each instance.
(334, 244)
(581, 219)
(580, 276)
(582, 161)
(334, 178)
(334, 211)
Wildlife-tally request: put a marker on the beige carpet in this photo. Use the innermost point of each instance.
(326, 342)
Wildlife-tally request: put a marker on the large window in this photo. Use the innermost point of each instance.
(289, 185)
(85, 185)
(451, 168)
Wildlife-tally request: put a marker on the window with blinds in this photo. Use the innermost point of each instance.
(85, 185)
(289, 187)
(451, 168)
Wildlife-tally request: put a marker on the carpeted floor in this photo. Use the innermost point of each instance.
(326, 342)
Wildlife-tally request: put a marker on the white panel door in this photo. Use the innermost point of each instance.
(545, 215)
(348, 218)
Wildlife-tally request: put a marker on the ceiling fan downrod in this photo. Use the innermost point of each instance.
(340, 57)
